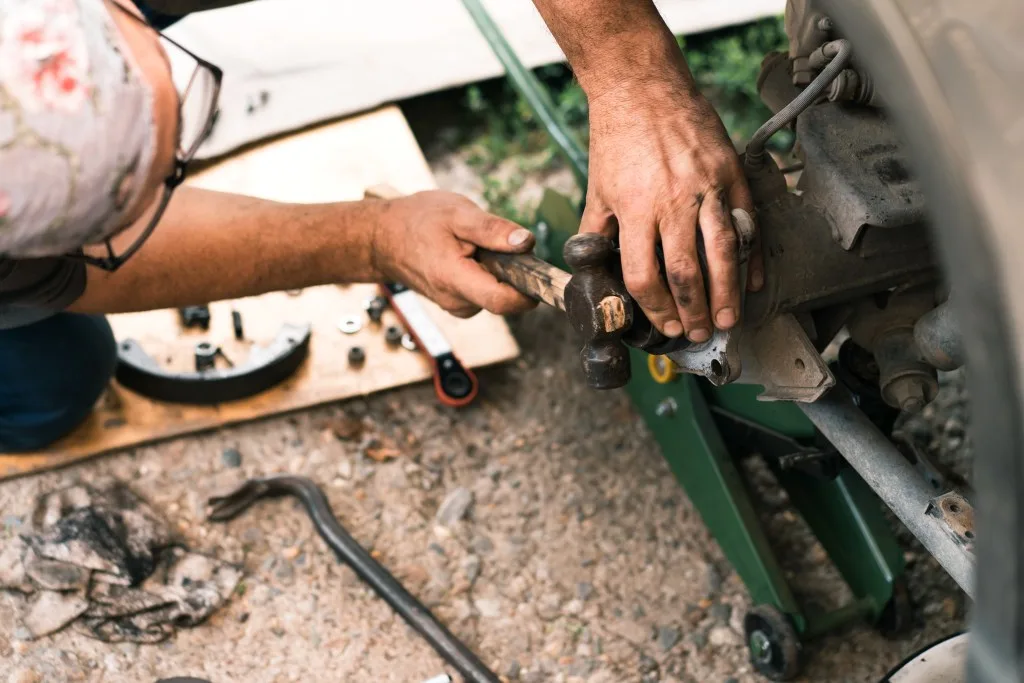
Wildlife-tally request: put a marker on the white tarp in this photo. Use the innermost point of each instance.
(291, 63)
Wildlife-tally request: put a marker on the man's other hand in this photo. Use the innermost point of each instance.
(662, 165)
(427, 241)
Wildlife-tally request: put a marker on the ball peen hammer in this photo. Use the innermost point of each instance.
(596, 302)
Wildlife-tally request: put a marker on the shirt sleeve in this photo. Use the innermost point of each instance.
(34, 289)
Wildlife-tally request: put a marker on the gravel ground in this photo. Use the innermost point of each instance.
(577, 557)
(541, 524)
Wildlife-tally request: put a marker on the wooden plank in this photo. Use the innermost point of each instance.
(330, 58)
(334, 162)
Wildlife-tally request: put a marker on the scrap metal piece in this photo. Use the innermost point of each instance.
(347, 549)
(350, 325)
(393, 335)
(265, 367)
(375, 307)
(206, 356)
(236, 324)
(195, 316)
(957, 517)
(780, 357)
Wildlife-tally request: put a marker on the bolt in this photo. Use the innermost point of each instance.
(825, 24)
(356, 356)
(909, 393)
(667, 407)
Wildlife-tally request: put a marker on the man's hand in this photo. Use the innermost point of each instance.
(664, 173)
(427, 241)
(661, 164)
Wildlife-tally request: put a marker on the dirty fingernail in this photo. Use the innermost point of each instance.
(519, 237)
(726, 318)
(757, 279)
(673, 328)
(698, 336)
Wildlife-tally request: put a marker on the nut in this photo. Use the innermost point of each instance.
(393, 335)
(356, 356)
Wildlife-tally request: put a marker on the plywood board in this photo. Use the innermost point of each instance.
(329, 58)
(335, 162)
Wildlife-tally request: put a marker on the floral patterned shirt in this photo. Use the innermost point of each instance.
(76, 129)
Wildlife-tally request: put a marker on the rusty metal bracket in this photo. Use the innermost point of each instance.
(956, 516)
(780, 357)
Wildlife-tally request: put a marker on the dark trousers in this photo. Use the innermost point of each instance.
(51, 374)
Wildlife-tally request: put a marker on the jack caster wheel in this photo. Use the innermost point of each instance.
(897, 617)
(773, 643)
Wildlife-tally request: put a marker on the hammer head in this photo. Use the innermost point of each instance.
(599, 309)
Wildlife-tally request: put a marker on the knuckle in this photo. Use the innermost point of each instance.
(724, 241)
(643, 286)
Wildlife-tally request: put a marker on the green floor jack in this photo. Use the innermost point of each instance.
(704, 432)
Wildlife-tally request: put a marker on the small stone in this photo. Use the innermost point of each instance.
(267, 565)
(345, 469)
(231, 457)
(548, 607)
(668, 636)
(638, 612)
(436, 548)
(713, 581)
(574, 607)
(732, 680)
(698, 638)
(584, 590)
(581, 668)
(455, 506)
(633, 631)
(488, 607)
(277, 631)
(512, 670)
(12, 521)
(290, 553)
(723, 636)
(647, 664)
(932, 608)
(285, 572)
(22, 633)
(535, 676)
(720, 612)
(471, 568)
(950, 608)
(252, 535)
(25, 676)
(953, 427)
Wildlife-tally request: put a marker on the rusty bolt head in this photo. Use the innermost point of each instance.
(909, 393)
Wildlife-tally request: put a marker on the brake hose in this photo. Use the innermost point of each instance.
(840, 51)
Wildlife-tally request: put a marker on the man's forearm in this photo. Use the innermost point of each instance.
(614, 42)
(211, 246)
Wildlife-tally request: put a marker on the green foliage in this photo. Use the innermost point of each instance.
(724, 63)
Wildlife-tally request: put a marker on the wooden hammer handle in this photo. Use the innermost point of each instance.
(527, 273)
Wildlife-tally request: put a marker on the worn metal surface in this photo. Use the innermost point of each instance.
(957, 517)
(599, 309)
(858, 173)
(265, 367)
(884, 324)
(891, 476)
(780, 357)
(939, 338)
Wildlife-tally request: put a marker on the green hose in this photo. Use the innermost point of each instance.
(532, 90)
